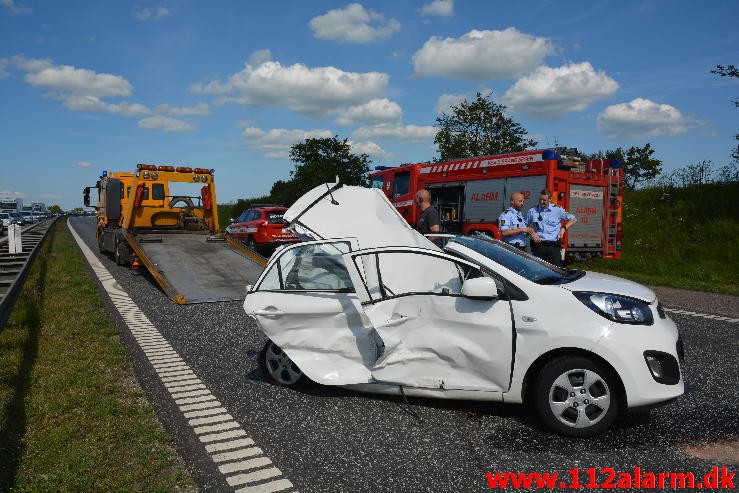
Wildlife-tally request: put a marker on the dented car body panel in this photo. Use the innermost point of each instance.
(383, 309)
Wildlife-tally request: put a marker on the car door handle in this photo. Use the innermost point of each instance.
(269, 313)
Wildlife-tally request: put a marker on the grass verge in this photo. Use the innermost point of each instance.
(679, 237)
(72, 417)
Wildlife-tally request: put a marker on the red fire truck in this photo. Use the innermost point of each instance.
(471, 193)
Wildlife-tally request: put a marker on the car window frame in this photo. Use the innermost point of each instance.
(276, 263)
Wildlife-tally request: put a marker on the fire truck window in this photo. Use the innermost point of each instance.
(401, 183)
(377, 182)
(157, 191)
(128, 192)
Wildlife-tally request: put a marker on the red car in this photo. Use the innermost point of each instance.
(261, 227)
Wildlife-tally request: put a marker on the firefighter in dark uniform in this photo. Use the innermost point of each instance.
(512, 225)
(546, 220)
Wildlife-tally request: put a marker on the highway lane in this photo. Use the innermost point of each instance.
(327, 439)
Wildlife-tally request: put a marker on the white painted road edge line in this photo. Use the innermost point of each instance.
(224, 434)
(703, 315)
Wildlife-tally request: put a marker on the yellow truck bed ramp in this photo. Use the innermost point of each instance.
(192, 269)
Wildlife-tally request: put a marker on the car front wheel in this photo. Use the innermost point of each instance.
(576, 396)
(279, 368)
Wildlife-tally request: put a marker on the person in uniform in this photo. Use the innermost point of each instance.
(428, 221)
(546, 220)
(512, 225)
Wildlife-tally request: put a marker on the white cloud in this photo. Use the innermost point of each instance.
(442, 8)
(3, 72)
(370, 148)
(480, 55)
(641, 118)
(446, 101)
(200, 109)
(279, 140)
(95, 104)
(353, 24)
(314, 92)
(83, 164)
(153, 14)
(375, 111)
(11, 194)
(71, 80)
(165, 124)
(550, 93)
(412, 133)
(15, 8)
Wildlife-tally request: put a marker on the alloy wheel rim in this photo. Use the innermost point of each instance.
(579, 398)
(281, 367)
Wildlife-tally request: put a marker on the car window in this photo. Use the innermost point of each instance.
(521, 263)
(252, 216)
(157, 191)
(317, 267)
(377, 182)
(401, 183)
(398, 273)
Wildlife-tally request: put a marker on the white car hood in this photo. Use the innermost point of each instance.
(604, 283)
(335, 211)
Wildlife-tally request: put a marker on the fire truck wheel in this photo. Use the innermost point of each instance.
(100, 243)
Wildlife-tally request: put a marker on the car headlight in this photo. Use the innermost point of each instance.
(620, 309)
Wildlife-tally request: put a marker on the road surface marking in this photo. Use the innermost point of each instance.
(703, 315)
(191, 395)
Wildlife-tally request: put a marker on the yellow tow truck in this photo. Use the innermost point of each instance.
(142, 221)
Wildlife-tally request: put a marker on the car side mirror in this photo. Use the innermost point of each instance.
(480, 288)
(249, 288)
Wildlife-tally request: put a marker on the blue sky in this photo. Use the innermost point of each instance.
(87, 86)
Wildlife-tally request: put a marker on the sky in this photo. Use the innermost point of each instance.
(88, 86)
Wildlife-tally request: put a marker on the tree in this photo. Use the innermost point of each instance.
(639, 166)
(479, 128)
(321, 160)
(54, 209)
(730, 71)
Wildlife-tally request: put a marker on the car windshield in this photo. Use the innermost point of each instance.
(522, 263)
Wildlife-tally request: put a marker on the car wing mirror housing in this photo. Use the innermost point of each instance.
(480, 288)
(249, 288)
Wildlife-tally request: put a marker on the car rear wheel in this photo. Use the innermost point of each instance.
(279, 368)
(576, 396)
(251, 243)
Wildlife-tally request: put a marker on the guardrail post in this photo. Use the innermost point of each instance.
(14, 239)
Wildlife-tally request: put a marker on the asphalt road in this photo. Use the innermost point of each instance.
(329, 439)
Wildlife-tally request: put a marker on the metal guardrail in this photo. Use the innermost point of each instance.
(14, 267)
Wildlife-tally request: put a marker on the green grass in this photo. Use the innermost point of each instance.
(680, 237)
(72, 417)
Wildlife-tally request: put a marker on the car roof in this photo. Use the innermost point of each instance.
(268, 208)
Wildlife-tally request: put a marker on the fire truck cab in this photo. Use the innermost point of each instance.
(470, 194)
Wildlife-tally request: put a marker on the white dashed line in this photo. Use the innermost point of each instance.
(225, 441)
(703, 315)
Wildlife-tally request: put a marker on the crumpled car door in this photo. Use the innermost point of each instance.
(335, 211)
(433, 336)
(305, 303)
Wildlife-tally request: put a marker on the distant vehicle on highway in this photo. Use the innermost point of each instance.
(18, 218)
(29, 217)
(261, 226)
(5, 217)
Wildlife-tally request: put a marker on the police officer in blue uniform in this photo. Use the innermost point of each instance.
(512, 225)
(546, 219)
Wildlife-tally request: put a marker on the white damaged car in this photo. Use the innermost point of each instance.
(371, 304)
